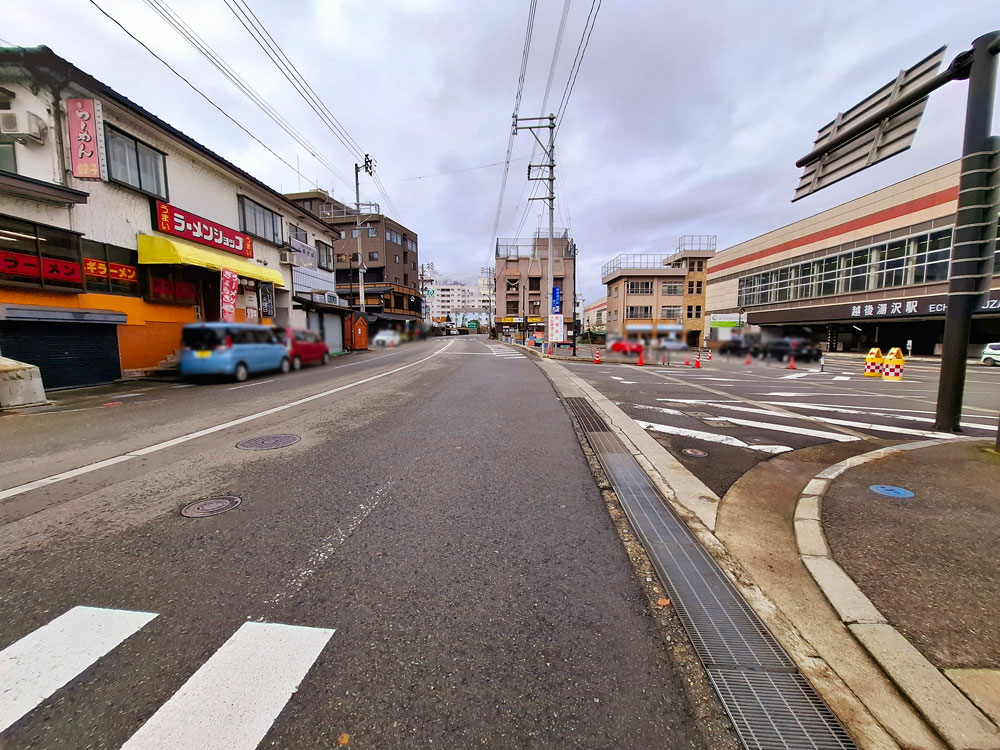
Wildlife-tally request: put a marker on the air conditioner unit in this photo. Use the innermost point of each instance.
(292, 259)
(21, 125)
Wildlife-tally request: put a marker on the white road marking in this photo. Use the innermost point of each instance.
(794, 376)
(615, 377)
(839, 407)
(841, 377)
(839, 437)
(660, 409)
(27, 487)
(184, 385)
(903, 417)
(43, 661)
(250, 385)
(232, 700)
(710, 437)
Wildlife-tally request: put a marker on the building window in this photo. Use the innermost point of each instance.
(534, 284)
(406, 279)
(133, 163)
(670, 288)
(534, 307)
(372, 232)
(39, 255)
(642, 312)
(695, 287)
(108, 269)
(324, 255)
(512, 307)
(694, 311)
(615, 292)
(670, 312)
(373, 255)
(393, 236)
(411, 245)
(698, 265)
(639, 287)
(599, 318)
(511, 285)
(7, 161)
(260, 222)
(296, 233)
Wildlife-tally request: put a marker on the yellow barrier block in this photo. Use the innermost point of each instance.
(892, 364)
(873, 363)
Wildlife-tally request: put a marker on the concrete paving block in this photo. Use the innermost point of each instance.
(956, 719)
(809, 536)
(832, 472)
(816, 487)
(844, 595)
(807, 508)
(982, 686)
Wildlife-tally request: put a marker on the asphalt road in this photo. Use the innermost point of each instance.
(743, 414)
(431, 564)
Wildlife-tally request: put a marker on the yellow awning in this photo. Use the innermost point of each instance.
(162, 250)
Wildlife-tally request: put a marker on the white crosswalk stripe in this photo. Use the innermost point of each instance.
(43, 661)
(229, 703)
(504, 352)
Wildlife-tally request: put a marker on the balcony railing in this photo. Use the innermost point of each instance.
(633, 261)
(520, 247)
(334, 211)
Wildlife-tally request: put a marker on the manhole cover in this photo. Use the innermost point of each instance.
(210, 506)
(267, 442)
(695, 453)
(698, 414)
(890, 490)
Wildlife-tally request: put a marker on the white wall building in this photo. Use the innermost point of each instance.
(451, 299)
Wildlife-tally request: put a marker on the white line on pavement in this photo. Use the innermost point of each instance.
(794, 376)
(232, 700)
(250, 385)
(903, 417)
(841, 377)
(660, 409)
(27, 487)
(43, 661)
(881, 408)
(839, 437)
(710, 437)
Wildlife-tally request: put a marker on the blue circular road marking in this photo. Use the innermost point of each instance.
(890, 490)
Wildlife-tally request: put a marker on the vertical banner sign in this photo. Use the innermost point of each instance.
(84, 138)
(556, 331)
(266, 293)
(230, 288)
(557, 300)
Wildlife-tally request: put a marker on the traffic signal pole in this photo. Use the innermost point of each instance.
(975, 226)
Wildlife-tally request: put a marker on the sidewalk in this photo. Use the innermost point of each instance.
(917, 580)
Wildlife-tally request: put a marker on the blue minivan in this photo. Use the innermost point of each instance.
(232, 349)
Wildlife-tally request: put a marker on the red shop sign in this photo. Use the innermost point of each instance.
(52, 269)
(161, 287)
(171, 220)
(83, 121)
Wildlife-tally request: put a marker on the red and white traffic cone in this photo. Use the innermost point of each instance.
(791, 362)
(597, 356)
(640, 362)
(687, 360)
(748, 359)
(709, 355)
(697, 361)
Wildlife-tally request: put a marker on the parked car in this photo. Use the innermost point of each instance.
(735, 346)
(626, 346)
(781, 349)
(236, 350)
(304, 347)
(671, 344)
(386, 338)
(452, 332)
(990, 355)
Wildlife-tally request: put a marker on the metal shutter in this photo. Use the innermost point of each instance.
(333, 332)
(68, 354)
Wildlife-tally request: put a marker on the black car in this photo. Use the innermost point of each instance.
(734, 347)
(804, 350)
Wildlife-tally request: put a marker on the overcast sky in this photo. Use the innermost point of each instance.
(686, 118)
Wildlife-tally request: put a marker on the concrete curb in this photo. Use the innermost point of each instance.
(956, 719)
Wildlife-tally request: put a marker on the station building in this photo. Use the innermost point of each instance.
(117, 229)
(870, 272)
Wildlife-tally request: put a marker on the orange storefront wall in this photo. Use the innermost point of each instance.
(152, 332)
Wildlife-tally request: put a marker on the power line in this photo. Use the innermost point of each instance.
(595, 8)
(200, 93)
(455, 171)
(513, 130)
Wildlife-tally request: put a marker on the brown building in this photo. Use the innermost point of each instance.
(388, 252)
(521, 275)
(650, 295)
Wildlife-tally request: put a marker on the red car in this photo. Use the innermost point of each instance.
(626, 346)
(304, 347)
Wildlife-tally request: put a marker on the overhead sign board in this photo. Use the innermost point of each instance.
(171, 220)
(887, 137)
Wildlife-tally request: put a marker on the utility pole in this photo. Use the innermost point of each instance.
(491, 288)
(369, 167)
(550, 153)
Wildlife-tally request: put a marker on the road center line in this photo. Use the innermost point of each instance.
(250, 385)
(27, 487)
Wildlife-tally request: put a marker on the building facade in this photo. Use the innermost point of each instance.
(376, 251)
(448, 301)
(595, 316)
(116, 229)
(520, 275)
(871, 272)
(656, 294)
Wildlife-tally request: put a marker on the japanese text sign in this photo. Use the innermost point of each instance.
(52, 269)
(171, 220)
(230, 288)
(82, 119)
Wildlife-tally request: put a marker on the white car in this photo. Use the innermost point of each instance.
(991, 355)
(386, 338)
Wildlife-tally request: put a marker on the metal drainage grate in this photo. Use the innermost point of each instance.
(210, 506)
(695, 452)
(771, 705)
(585, 413)
(267, 442)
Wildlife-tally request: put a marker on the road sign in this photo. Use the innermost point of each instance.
(557, 300)
(886, 137)
(556, 330)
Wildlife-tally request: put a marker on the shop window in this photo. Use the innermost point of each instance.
(260, 222)
(37, 254)
(173, 285)
(108, 269)
(324, 255)
(131, 162)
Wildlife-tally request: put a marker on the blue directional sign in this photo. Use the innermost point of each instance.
(890, 491)
(556, 300)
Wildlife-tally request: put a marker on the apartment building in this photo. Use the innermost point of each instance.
(520, 273)
(387, 262)
(595, 315)
(650, 295)
(450, 300)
